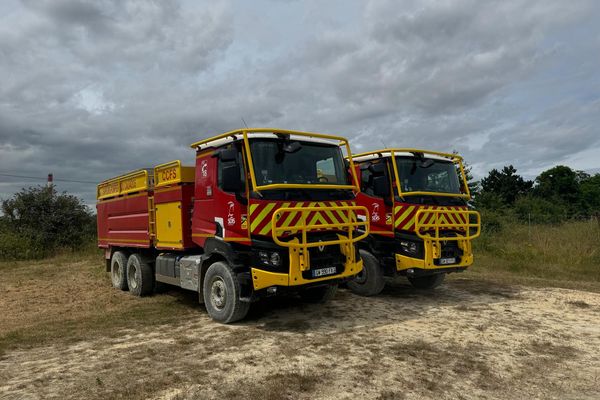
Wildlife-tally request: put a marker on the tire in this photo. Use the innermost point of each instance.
(221, 292)
(427, 282)
(140, 277)
(319, 294)
(118, 270)
(370, 281)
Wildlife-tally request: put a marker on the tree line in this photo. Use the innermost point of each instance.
(555, 195)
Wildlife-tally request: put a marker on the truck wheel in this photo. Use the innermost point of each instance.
(140, 278)
(369, 281)
(319, 294)
(427, 282)
(221, 291)
(118, 270)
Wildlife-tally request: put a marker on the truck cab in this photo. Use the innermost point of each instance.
(261, 212)
(421, 225)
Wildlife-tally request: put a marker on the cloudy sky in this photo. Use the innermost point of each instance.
(91, 89)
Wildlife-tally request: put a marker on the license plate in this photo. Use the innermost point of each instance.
(323, 272)
(447, 261)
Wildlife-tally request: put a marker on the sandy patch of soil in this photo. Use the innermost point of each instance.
(466, 340)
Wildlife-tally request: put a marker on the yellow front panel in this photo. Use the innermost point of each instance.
(168, 225)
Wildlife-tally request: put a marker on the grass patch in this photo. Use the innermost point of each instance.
(565, 255)
(288, 385)
(69, 298)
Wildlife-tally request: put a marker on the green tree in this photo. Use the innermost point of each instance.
(590, 194)
(473, 185)
(48, 220)
(506, 184)
(559, 182)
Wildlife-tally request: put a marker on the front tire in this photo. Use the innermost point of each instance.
(140, 277)
(118, 270)
(221, 292)
(319, 294)
(370, 281)
(427, 282)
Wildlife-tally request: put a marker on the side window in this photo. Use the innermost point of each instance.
(366, 179)
(223, 164)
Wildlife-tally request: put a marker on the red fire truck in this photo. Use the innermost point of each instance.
(262, 210)
(421, 226)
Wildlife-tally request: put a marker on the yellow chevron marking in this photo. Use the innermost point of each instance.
(267, 228)
(318, 217)
(441, 217)
(452, 218)
(404, 215)
(290, 216)
(255, 222)
(253, 208)
(411, 222)
(332, 218)
(341, 215)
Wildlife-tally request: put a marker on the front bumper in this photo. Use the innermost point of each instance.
(404, 263)
(262, 279)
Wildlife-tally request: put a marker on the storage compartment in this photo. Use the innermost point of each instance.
(169, 224)
(172, 205)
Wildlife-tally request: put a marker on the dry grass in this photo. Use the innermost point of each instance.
(566, 255)
(69, 298)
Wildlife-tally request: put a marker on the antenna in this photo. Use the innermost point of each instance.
(383, 143)
(246, 125)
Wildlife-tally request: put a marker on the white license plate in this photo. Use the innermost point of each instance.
(447, 261)
(323, 272)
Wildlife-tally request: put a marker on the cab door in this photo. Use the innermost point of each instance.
(374, 177)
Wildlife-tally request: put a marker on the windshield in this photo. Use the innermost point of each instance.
(276, 161)
(427, 175)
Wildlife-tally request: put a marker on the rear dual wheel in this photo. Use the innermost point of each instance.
(118, 270)
(140, 277)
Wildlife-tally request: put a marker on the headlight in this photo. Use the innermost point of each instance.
(408, 247)
(275, 259)
(270, 258)
(264, 257)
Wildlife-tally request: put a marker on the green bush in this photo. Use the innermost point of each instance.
(38, 221)
(492, 221)
(540, 211)
(15, 247)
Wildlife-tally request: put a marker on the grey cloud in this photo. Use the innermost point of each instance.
(95, 88)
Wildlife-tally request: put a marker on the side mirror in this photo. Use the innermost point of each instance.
(381, 186)
(231, 178)
(230, 154)
(377, 169)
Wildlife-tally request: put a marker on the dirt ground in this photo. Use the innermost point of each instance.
(467, 340)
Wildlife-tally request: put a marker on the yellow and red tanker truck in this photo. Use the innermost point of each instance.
(263, 210)
(421, 226)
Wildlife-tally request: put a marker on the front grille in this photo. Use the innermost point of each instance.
(450, 249)
(329, 256)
